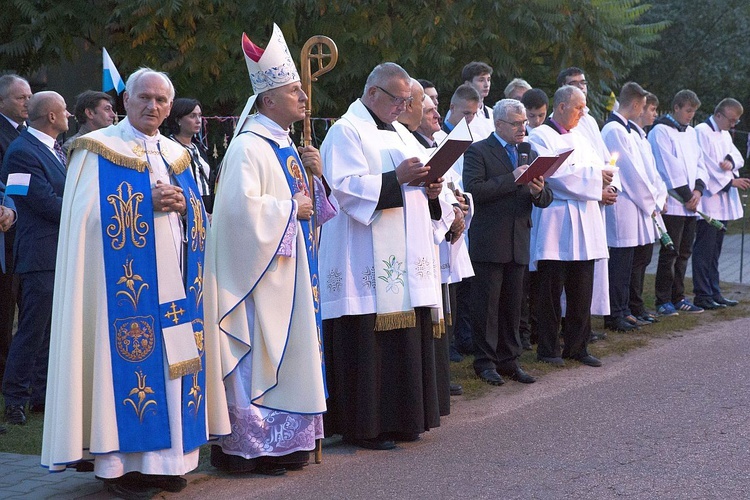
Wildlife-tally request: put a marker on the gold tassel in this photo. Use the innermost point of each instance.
(438, 329)
(111, 155)
(395, 321)
(122, 160)
(187, 367)
(448, 319)
(181, 163)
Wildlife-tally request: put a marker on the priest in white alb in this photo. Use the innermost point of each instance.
(379, 274)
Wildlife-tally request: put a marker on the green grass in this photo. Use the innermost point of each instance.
(617, 343)
(27, 439)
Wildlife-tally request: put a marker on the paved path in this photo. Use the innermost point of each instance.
(731, 267)
(668, 421)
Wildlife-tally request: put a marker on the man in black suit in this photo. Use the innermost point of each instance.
(37, 153)
(14, 97)
(499, 240)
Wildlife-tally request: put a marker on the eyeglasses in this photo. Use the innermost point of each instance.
(732, 121)
(397, 101)
(579, 83)
(516, 125)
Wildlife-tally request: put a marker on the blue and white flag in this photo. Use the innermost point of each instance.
(18, 184)
(111, 79)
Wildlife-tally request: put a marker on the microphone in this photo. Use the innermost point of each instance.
(524, 150)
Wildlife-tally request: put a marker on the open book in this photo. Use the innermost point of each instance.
(544, 166)
(446, 154)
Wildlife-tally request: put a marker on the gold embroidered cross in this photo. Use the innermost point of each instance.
(174, 313)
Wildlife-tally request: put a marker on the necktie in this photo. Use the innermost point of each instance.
(21, 127)
(60, 154)
(512, 154)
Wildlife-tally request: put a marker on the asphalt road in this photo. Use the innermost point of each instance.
(666, 421)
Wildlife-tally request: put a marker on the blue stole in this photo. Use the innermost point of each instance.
(135, 315)
(295, 178)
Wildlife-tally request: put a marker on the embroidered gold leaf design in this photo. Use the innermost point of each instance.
(127, 223)
(197, 286)
(141, 391)
(129, 279)
(195, 393)
(134, 338)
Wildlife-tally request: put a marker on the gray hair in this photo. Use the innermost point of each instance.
(565, 94)
(140, 73)
(385, 72)
(505, 107)
(7, 81)
(516, 83)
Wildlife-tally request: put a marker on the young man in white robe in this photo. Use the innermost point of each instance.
(681, 165)
(262, 294)
(642, 254)
(629, 220)
(132, 383)
(721, 200)
(568, 236)
(378, 286)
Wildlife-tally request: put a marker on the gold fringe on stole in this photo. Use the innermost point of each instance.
(111, 155)
(438, 329)
(394, 321)
(178, 166)
(179, 370)
(448, 319)
(181, 163)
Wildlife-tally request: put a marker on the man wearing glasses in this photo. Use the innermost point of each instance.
(499, 236)
(721, 200)
(378, 288)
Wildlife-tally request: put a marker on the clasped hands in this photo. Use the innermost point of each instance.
(168, 198)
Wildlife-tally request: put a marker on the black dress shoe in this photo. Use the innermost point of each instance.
(648, 317)
(455, 356)
(406, 437)
(292, 461)
(163, 482)
(456, 389)
(371, 444)
(589, 360)
(597, 336)
(726, 302)
(15, 414)
(620, 324)
(36, 407)
(551, 361)
(520, 376)
(636, 321)
(708, 304)
(239, 465)
(491, 377)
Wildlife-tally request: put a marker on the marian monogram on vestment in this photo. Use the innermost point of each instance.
(198, 232)
(127, 218)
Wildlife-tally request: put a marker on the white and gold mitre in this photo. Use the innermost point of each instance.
(270, 68)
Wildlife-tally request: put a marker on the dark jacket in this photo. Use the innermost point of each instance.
(500, 230)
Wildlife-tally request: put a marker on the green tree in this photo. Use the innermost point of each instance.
(198, 41)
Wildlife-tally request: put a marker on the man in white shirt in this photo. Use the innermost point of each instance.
(721, 200)
(680, 163)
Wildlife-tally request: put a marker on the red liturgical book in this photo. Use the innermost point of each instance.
(544, 166)
(443, 158)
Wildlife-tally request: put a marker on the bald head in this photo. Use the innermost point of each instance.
(47, 113)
